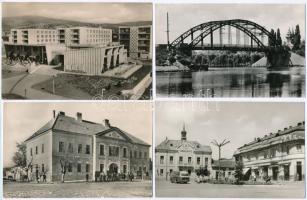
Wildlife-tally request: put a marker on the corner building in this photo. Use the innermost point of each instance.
(86, 148)
(181, 155)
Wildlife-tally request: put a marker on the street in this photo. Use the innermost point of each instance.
(206, 190)
(77, 190)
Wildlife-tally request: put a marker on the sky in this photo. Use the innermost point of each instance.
(238, 122)
(185, 16)
(21, 120)
(85, 12)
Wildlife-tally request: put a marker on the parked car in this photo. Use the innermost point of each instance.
(180, 177)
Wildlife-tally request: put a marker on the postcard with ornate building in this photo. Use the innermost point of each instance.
(64, 150)
(230, 50)
(230, 149)
(76, 51)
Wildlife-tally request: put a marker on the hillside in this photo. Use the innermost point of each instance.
(44, 22)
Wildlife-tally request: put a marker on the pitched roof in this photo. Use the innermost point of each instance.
(72, 125)
(173, 145)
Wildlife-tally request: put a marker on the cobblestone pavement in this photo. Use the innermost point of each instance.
(77, 190)
(192, 189)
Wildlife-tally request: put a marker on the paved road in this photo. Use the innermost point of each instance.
(289, 190)
(77, 190)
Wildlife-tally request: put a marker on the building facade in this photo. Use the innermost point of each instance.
(33, 36)
(84, 148)
(181, 155)
(279, 155)
(137, 40)
(226, 166)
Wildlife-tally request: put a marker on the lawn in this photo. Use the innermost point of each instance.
(77, 86)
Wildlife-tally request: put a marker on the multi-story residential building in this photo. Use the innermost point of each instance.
(279, 155)
(178, 155)
(78, 36)
(33, 36)
(137, 40)
(84, 148)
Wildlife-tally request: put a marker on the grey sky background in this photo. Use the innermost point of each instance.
(185, 16)
(239, 122)
(21, 120)
(85, 12)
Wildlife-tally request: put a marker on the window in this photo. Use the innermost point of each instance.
(288, 150)
(125, 152)
(248, 157)
(69, 167)
(31, 152)
(299, 147)
(171, 159)
(206, 161)
(61, 146)
(36, 150)
(43, 167)
(265, 154)
(79, 167)
(145, 154)
(101, 167)
(140, 154)
(180, 159)
(256, 156)
(272, 153)
(80, 148)
(113, 151)
(130, 154)
(124, 169)
(135, 154)
(43, 148)
(189, 160)
(87, 167)
(198, 160)
(161, 159)
(161, 171)
(87, 149)
(70, 148)
(101, 150)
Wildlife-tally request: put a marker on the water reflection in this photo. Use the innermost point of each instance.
(234, 82)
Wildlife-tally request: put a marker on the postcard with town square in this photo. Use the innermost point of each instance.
(90, 51)
(230, 149)
(230, 50)
(64, 150)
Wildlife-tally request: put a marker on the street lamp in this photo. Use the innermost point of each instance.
(219, 145)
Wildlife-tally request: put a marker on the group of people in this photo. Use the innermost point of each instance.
(107, 177)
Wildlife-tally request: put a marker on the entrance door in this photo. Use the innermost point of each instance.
(287, 172)
(299, 170)
(113, 168)
(275, 173)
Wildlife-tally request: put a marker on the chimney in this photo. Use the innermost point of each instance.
(54, 114)
(79, 117)
(62, 113)
(183, 134)
(107, 123)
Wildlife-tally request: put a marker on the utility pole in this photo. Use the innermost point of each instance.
(219, 145)
(167, 30)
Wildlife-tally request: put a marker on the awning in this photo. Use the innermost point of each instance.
(245, 170)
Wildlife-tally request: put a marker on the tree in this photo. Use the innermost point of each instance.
(297, 38)
(239, 172)
(278, 38)
(20, 157)
(271, 39)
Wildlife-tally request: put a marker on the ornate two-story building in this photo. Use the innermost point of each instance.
(179, 155)
(279, 155)
(85, 148)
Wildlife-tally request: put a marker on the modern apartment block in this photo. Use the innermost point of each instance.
(77, 36)
(33, 36)
(137, 40)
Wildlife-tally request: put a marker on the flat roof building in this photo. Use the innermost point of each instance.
(137, 40)
(280, 155)
(33, 36)
(80, 149)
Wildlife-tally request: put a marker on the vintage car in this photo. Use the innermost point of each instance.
(179, 177)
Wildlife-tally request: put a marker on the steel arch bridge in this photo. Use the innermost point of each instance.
(194, 37)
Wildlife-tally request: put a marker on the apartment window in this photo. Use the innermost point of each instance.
(113, 151)
(256, 156)
(61, 146)
(87, 168)
(273, 153)
(180, 159)
(31, 152)
(36, 150)
(161, 171)
(124, 152)
(101, 167)
(43, 148)
(299, 147)
(206, 161)
(79, 167)
(198, 160)
(87, 149)
(69, 167)
(140, 154)
(79, 148)
(145, 154)
(70, 148)
(248, 157)
(288, 150)
(161, 159)
(101, 150)
(171, 159)
(189, 160)
(135, 154)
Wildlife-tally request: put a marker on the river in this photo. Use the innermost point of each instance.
(232, 82)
